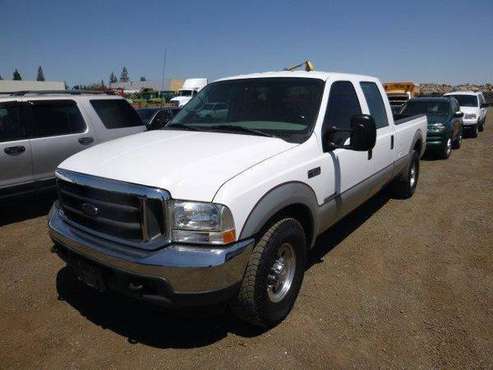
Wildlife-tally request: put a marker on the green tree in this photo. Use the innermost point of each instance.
(124, 75)
(41, 76)
(16, 76)
(143, 78)
(1, 77)
(113, 78)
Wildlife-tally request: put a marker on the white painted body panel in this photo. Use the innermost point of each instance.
(238, 170)
(190, 165)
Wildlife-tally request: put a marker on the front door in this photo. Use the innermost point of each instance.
(351, 168)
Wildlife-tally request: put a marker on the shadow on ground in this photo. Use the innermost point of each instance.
(26, 207)
(186, 328)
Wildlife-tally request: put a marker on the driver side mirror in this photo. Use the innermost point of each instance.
(363, 134)
(484, 105)
(459, 114)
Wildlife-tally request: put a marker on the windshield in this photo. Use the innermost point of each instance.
(146, 114)
(437, 108)
(466, 100)
(185, 93)
(281, 107)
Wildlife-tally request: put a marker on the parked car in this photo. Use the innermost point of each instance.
(445, 129)
(199, 213)
(39, 130)
(157, 118)
(474, 107)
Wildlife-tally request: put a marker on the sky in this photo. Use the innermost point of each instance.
(84, 41)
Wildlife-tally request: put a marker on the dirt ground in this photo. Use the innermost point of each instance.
(398, 283)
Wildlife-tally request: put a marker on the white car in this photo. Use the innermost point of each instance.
(203, 212)
(474, 107)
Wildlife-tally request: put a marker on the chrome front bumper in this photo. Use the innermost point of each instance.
(184, 269)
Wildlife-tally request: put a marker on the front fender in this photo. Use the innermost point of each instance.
(275, 200)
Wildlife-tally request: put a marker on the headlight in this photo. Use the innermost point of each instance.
(437, 126)
(205, 223)
(470, 116)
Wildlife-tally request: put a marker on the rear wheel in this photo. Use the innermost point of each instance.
(405, 185)
(273, 275)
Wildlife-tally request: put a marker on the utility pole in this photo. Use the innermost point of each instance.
(164, 69)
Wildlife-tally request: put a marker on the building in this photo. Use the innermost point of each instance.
(133, 87)
(10, 86)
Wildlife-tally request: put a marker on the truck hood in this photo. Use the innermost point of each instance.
(469, 110)
(190, 165)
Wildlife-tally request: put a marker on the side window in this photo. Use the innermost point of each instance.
(56, 117)
(375, 103)
(342, 105)
(116, 113)
(11, 126)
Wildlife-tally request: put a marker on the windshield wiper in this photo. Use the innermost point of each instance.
(239, 129)
(180, 126)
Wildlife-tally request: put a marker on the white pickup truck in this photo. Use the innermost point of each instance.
(226, 207)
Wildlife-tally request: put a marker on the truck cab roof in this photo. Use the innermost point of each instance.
(302, 74)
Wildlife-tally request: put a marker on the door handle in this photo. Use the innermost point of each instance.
(391, 141)
(15, 150)
(86, 140)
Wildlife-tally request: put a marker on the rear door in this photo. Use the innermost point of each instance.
(15, 148)
(382, 157)
(58, 130)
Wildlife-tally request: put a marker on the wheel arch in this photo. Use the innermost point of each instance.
(292, 199)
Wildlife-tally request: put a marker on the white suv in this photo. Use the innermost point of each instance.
(39, 130)
(474, 107)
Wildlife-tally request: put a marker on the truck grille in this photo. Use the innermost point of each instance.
(128, 212)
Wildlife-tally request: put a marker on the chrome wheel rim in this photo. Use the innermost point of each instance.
(412, 175)
(449, 146)
(281, 273)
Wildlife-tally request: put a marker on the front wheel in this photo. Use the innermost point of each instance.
(273, 275)
(458, 141)
(481, 127)
(446, 149)
(405, 185)
(475, 130)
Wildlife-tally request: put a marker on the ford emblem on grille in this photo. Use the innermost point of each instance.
(89, 209)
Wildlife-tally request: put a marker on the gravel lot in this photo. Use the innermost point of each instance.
(401, 284)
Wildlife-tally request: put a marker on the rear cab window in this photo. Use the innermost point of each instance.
(116, 113)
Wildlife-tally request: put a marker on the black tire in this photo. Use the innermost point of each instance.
(253, 303)
(458, 141)
(475, 130)
(403, 187)
(481, 127)
(446, 149)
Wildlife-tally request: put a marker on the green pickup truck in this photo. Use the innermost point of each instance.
(445, 126)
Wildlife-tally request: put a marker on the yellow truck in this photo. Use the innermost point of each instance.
(400, 92)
